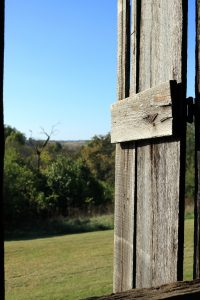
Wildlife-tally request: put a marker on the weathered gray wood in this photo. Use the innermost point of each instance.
(179, 290)
(123, 58)
(160, 165)
(156, 219)
(124, 217)
(125, 168)
(145, 115)
(134, 47)
(196, 270)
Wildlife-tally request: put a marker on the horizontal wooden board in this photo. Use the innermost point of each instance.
(179, 290)
(144, 115)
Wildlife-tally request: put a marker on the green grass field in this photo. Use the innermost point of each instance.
(188, 248)
(67, 267)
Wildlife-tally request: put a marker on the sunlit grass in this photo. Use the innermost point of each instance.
(69, 266)
(188, 249)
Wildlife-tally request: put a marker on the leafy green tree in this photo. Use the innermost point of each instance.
(99, 155)
(19, 192)
(22, 186)
(72, 185)
(15, 145)
(50, 153)
(12, 135)
(59, 181)
(88, 190)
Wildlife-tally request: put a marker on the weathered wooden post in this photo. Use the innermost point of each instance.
(149, 196)
(197, 151)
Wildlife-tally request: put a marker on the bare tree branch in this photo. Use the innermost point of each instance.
(37, 145)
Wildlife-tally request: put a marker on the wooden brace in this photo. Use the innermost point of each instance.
(152, 113)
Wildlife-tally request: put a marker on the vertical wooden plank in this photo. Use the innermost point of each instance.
(160, 163)
(2, 16)
(124, 217)
(134, 48)
(123, 57)
(196, 270)
(124, 169)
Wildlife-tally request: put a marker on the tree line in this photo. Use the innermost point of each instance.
(45, 179)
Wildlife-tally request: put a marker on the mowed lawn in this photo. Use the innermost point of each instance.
(188, 249)
(67, 267)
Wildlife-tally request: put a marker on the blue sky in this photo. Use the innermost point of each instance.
(60, 65)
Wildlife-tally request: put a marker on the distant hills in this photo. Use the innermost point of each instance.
(71, 144)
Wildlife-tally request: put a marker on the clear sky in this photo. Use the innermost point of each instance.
(60, 65)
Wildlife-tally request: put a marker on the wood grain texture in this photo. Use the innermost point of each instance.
(134, 47)
(123, 58)
(160, 164)
(124, 217)
(149, 194)
(178, 290)
(125, 168)
(144, 115)
(196, 269)
(157, 220)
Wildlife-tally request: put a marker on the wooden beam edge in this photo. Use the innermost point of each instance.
(178, 290)
(133, 117)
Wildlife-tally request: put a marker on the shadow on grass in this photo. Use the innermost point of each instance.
(59, 226)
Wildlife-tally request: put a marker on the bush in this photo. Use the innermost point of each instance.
(20, 192)
(72, 185)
